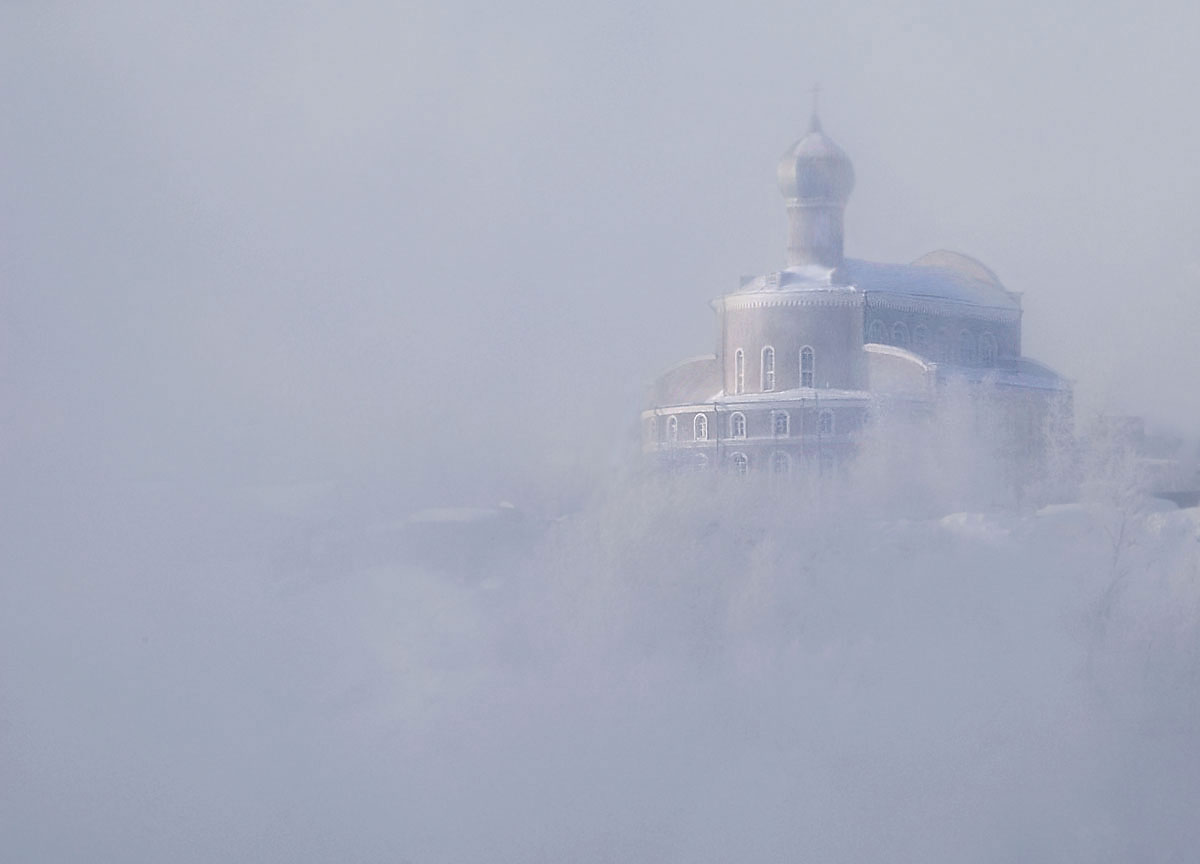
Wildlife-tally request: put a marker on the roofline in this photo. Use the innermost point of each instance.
(775, 398)
(933, 304)
(903, 353)
(679, 365)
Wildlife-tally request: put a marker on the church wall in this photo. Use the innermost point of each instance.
(804, 422)
(943, 332)
(833, 332)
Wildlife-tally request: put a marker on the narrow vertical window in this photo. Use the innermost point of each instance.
(780, 423)
(700, 463)
(944, 350)
(739, 372)
(700, 427)
(768, 369)
(900, 334)
(825, 423)
(741, 465)
(966, 348)
(672, 428)
(877, 333)
(781, 463)
(737, 425)
(806, 367)
(987, 349)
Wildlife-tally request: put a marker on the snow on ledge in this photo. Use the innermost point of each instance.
(902, 353)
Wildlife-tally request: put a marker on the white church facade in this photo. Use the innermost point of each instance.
(808, 353)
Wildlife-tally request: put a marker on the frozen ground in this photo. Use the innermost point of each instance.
(658, 680)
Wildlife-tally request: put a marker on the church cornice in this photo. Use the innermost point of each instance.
(806, 398)
(938, 306)
(764, 300)
(851, 297)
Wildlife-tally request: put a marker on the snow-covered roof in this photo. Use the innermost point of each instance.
(925, 280)
(913, 357)
(1023, 372)
(724, 399)
(727, 401)
(941, 275)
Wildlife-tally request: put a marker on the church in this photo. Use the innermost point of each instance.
(807, 355)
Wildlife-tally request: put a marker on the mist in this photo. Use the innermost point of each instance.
(276, 277)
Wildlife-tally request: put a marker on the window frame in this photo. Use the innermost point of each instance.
(739, 372)
(826, 413)
(700, 427)
(740, 462)
(733, 426)
(787, 424)
(989, 356)
(766, 378)
(966, 348)
(944, 352)
(811, 373)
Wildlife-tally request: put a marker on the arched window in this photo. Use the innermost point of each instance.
(900, 334)
(741, 465)
(737, 425)
(966, 348)
(739, 371)
(987, 349)
(781, 463)
(768, 369)
(877, 332)
(780, 423)
(806, 367)
(700, 462)
(700, 427)
(825, 422)
(672, 428)
(921, 339)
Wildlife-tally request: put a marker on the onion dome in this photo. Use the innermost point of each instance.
(815, 170)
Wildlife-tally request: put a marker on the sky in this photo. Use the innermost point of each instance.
(450, 243)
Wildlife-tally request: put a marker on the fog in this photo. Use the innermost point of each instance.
(274, 276)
